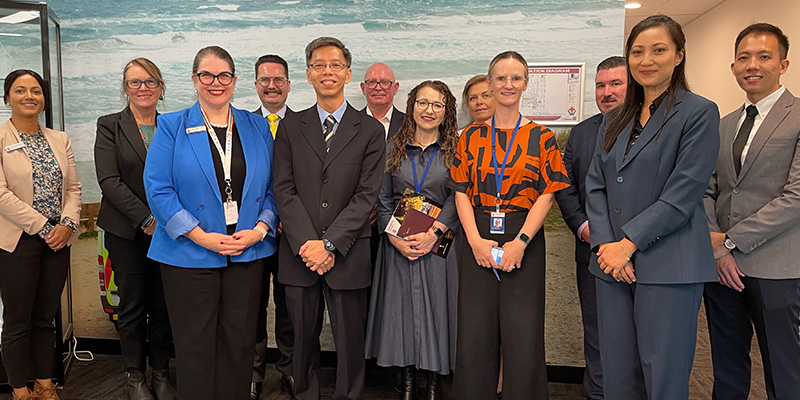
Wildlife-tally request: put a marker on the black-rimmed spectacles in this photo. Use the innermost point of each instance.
(207, 78)
(137, 83)
(372, 84)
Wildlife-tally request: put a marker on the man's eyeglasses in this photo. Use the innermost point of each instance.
(207, 78)
(372, 84)
(265, 80)
(422, 105)
(334, 66)
(137, 83)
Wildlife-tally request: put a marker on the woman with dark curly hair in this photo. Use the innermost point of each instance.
(413, 307)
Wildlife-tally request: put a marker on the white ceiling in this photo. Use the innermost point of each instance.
(682, 11)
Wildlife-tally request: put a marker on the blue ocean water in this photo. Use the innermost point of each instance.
(446, 40)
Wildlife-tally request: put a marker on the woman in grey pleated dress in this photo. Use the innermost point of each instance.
(412, 316)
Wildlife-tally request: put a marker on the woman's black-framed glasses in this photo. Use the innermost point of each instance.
(207, 78)
(137, 83)
(264, 81)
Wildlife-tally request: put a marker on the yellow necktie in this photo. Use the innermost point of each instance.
(273, 123)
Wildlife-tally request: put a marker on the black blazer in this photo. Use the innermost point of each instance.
(119, 155)
(572, 200)
(327, 195)
(394, 124)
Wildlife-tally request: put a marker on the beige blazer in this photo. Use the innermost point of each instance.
(16, 186)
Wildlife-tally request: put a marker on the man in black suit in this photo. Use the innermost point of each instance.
(611, 81)
(379, 88)
(273, 85)
(327, 172)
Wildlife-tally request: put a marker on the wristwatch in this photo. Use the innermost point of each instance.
(328, 245)
(438, 232)
(729, 243)
(524, 238)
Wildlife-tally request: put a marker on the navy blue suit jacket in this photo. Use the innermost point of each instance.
(654, 195)
(572, 200)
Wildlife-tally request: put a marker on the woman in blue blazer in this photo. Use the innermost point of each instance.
(208, 180)
(644, 201)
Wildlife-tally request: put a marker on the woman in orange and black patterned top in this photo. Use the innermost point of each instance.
(503, 301)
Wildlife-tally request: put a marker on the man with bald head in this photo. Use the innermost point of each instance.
(379, 88)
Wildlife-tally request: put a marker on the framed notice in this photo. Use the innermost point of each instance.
(555, 94)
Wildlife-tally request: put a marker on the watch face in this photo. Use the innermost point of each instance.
(329, 246)
(729, 244)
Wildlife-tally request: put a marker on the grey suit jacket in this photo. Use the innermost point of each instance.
(760, 208)
(654, 195)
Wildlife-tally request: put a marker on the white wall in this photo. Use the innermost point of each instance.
(709, 47)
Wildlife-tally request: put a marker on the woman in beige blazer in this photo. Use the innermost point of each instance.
(40, 202)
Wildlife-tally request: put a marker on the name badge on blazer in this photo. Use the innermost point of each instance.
(195, 129)
(15, 146)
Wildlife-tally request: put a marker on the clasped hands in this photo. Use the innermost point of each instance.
(728, 271)
(316, 257)
(614, 260)
(513, 251)
(416, 245)
(58, 237)
(226, 245)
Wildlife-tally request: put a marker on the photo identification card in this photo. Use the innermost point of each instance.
(498, 223)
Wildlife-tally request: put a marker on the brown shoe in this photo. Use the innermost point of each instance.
(27, 396)
(40, 392)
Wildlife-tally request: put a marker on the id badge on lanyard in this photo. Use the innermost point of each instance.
(229, 205)
(498, 219)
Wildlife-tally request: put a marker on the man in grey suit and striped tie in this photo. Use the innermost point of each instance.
(753, 209)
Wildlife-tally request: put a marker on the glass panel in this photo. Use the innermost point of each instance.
(54, 35)
(20, 46)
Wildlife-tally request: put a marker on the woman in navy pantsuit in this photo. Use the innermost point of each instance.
(644, 201)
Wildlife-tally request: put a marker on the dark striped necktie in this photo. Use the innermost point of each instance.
(327, 131)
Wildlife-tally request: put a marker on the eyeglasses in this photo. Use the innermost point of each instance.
(137, 83)
(516, 80)
(422, 105)
(207, 78)
(265, 80)
(334, 66)
(373, 84)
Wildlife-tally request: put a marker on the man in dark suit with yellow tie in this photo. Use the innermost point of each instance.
(753, 209)
(611, 81)
(273, 85)
(329, 162)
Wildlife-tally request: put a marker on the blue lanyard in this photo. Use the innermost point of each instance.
(418, 186)
(498, 175)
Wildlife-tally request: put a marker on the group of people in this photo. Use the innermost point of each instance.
(204, 207)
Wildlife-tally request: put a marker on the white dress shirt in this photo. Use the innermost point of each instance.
(764, 106)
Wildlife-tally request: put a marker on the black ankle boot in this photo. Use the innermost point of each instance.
(433, 391)
(408, 376)
(162, 386)
(135, 386)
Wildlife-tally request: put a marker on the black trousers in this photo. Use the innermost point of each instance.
(348, 314)
(31, 281)
(772, 306)
(509, 312)
(142, 309)
(213, 314)
(284, 336)
(587, 294)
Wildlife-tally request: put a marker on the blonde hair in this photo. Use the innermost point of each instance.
(151, 69)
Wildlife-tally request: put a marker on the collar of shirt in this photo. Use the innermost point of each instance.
(386, 120)
(765, 104)
(281, 113)
(336, 114)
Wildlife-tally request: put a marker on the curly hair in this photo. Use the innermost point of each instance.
(448, 129)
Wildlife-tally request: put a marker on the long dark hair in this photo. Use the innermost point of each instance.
(448, 129)
(634, 96)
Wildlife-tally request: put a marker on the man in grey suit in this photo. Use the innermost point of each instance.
(753, 209)
(273, 86)
(611, 82)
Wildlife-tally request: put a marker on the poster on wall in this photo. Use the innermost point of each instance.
(555, 93)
